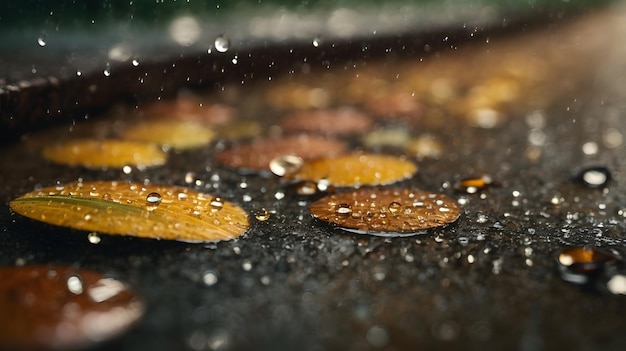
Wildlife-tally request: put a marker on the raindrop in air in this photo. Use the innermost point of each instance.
(41, 41)
(222, 43)
(285, 165)
(153, 200)
(317, 41)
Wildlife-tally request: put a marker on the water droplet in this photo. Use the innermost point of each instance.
(222, 43)
(190, 177)
(209, 278)
(94, 238)
(41, 41)
(394, 207)
(594, 177)
(216, 204)
(285, 165)
(75, 285)
(246, 265)
(377, 336)
(262, 215)
(343, 209)
(317, 41)
(306, 188)
(153, 200)
(617, 284)
(580, 265)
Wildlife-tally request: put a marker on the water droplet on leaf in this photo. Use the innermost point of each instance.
(153, 200)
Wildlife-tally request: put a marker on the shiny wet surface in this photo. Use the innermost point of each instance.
(489, 281)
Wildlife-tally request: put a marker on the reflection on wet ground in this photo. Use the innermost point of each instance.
(524, 134)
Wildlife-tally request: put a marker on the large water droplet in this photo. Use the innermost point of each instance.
(580, 265)
(394, 207)
(153, 200)
(216, 204)
(222, 43)
(343, 209)
(594, 177)
(285, 165)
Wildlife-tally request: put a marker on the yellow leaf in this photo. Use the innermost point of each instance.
(148, 211)
(357, 170)
(176, 134)
(105, 153)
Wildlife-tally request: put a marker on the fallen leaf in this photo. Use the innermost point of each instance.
(148, 211)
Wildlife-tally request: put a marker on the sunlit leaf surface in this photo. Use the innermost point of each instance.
(105, 153)
(175, 134)
(357, 170)
(386, 212)
(149, 211)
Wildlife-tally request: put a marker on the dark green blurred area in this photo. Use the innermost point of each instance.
(85, 15)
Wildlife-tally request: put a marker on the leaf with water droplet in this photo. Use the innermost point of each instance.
(148, 211)
(386, 212)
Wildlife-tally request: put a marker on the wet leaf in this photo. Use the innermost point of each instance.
(386, 212)
(327, 121)
(46, 308)
(175, 134)
(148, 211)
(258, 154)
(105, 153)
(357, 170)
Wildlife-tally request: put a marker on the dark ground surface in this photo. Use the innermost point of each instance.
(487, 282)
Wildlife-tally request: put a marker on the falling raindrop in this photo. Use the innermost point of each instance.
(153, 200)
(222, 43)
(41, 41)
(316, 41)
